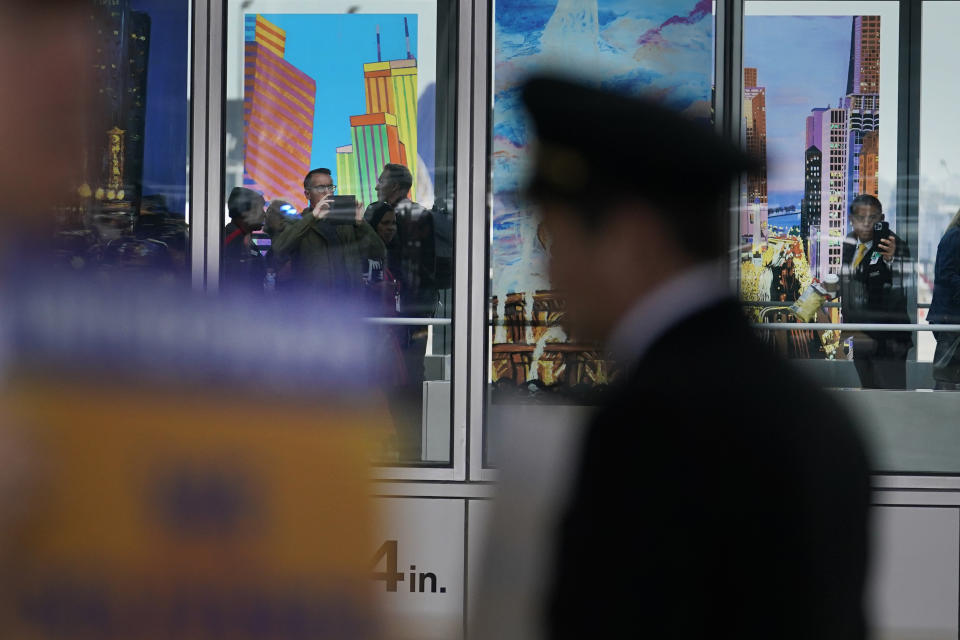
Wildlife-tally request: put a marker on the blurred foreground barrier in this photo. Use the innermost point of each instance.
(195, 468)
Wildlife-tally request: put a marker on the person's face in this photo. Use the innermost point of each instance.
(574, 269)
(602, 267)
(254, 216)
(387, 227)
(862, 218)
(387, 189)
(319, 185)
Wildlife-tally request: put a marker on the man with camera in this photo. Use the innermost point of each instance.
(872, 290)
(331, 244)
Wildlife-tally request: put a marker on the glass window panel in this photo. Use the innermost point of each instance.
(345, 110)
(128, 210)
(817, 76)
(665, 48)
(939, 159)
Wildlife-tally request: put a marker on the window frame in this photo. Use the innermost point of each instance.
(472, 197)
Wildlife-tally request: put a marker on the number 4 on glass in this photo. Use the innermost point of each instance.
(388, 552)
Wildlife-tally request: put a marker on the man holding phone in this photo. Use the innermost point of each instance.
(328, 248)
(872, 290)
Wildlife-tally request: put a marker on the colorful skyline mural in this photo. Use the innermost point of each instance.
(277, 114)
(663, 48)
(336, 91)
(820, 128)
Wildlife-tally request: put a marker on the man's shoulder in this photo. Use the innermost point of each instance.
(716, 353)
(725, 389)
(411, 208)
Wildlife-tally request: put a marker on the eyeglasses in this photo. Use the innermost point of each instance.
(323, 187)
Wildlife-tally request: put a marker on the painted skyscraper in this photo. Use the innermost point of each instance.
(863, 117)
(392, 88)
(278, 115)
(376, 142)
(870, 163)
(826, 133)
(754, 218)
(862, 102)
(387, 132)
(863, 76)
(810, 208)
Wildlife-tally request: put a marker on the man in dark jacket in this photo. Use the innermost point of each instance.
(873, 290)
(705, 505)
(326, 256)
(415, 242)
(945, 306)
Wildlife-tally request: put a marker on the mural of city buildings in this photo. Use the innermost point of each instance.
(386, 133)
(279, 110)
(660, 49)
(793, 234)
(839, 159)
(277, 115)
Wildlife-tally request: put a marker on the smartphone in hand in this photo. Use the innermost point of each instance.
(881, 231)
(343, 210)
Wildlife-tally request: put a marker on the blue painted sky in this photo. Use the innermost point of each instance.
(332, 49)
(661, 47)
(802, 61)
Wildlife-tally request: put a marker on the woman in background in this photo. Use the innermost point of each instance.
(945, 308)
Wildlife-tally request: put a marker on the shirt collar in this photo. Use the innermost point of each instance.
(652, 315)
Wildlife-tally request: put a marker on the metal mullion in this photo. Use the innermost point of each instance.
(908, 136)
(198, 140)
(728, 108)
(457, 471)
(216, 70)
(482, 37)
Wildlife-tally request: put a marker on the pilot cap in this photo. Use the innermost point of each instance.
(595, 146)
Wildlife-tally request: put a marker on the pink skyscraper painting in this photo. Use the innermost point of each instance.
(278, 114)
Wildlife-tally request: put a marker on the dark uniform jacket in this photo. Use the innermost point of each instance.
(945, 307)
(417, 257)
(720, 494)
(876, 292)
(327, 256)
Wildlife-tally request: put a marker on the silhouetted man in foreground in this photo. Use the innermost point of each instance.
(706, 505)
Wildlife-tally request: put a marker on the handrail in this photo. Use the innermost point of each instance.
(855, 326)
(412, 322)
(829, 305)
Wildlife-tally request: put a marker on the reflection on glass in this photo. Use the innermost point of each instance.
(808, 249)
(128, 210)
(338, 186)
(939, 162)
(664, 50)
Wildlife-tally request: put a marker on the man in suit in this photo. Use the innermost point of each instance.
(719, 493)
(872, 290)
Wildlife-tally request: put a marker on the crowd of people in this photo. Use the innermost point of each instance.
(384, 254)
(385, 251)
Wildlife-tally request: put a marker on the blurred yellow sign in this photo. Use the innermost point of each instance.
(175, 514)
